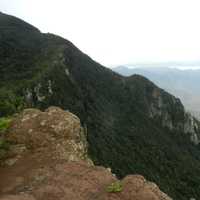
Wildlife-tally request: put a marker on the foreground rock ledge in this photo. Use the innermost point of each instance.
(43, 165)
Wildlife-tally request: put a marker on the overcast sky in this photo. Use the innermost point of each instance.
(119, 31)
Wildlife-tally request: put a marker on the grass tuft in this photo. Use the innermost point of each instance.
(4, 123)
(114, 187)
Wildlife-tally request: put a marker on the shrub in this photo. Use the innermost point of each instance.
(115, 187)
(10, 103)
(4, 124)
(4, 145)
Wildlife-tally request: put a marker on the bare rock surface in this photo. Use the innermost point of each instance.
(48, 160)
(73, 181)
(56, 133)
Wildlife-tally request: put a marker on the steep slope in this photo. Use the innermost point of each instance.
(184, 84)
(132, 125)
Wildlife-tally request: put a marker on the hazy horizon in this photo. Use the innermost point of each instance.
(176, 65)
(118, 32)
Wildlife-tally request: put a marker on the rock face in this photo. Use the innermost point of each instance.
(192, 127)
(184, 84)
(56, 132)
(78, 181)
(48, 160)
(174, 118)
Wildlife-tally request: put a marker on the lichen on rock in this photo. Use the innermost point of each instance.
(56, 132)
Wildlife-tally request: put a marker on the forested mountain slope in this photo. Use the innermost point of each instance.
(132, 125)
(184, 84)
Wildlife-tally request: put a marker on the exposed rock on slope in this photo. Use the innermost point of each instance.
(77, 181)
(45, 144)
(182, 83)
(192, 127)
(167, 109)
(56, 132)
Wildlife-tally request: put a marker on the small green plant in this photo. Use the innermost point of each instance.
(4, 147)
(3, 144)
(4, 123)
(115, 187)
(10, 103)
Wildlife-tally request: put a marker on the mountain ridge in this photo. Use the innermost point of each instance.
(132, 125)
(182, 83)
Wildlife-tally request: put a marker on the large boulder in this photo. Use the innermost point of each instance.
(55, 133)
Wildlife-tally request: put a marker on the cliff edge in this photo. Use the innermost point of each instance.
(47, 159)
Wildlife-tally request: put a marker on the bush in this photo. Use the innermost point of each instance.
(9, 102)
(4, 124)
(4, 145)
(115, 187)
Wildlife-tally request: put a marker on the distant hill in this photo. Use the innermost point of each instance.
(132, 125)
(184, 84)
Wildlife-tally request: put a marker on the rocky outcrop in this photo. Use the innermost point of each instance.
(56, 132)
(173, 115)
(78, 181)
(48, 160)
(192, 127)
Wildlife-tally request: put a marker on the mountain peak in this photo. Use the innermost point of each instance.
(11, 23)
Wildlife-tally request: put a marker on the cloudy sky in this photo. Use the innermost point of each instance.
(119, 31)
